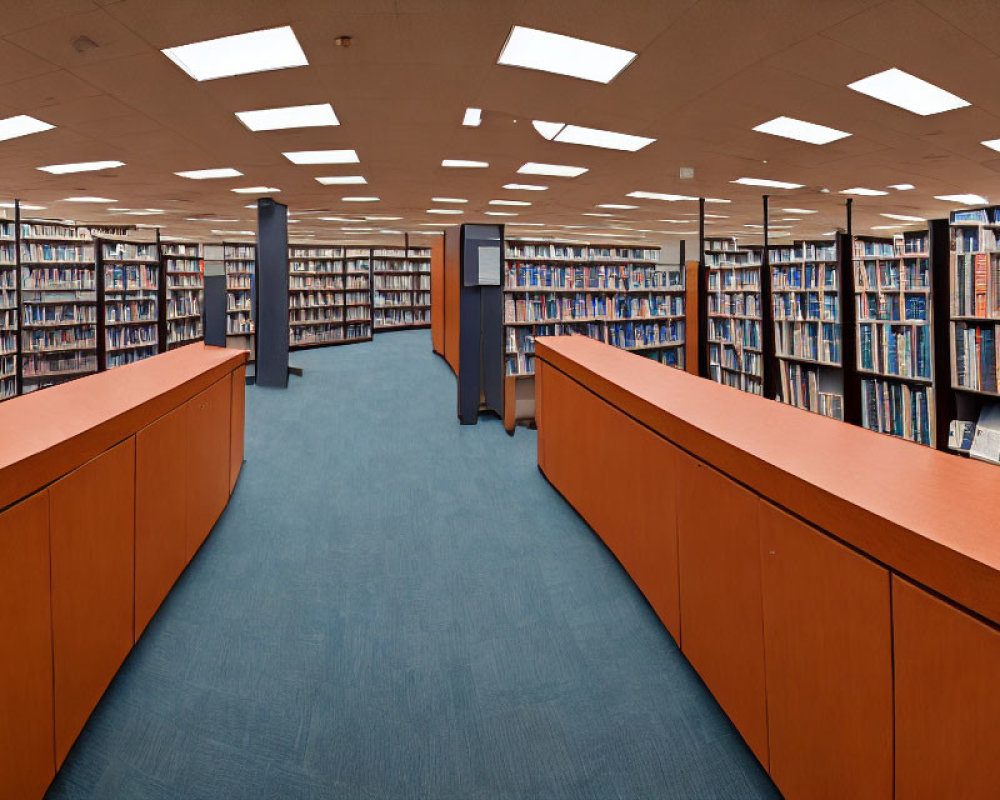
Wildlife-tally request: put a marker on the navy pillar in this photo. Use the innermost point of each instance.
(272, 293)
(214, 299)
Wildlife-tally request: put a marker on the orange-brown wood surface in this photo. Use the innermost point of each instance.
(918, 511)
(161, 461)
(636, 516)
(92, 518)
(691, 317)
(27, 761)
(437, 296)
(722, 628)
(947, 701)
(828, 646)
(237, 421)
(452, 287)
(50, 433)
(208, 460)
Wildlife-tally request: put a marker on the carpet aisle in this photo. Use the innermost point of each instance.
(394, 606)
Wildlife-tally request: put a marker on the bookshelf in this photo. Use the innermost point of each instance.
(240, 260)
(895, 360)
(58, 303)
(183, 271)
(10, 311)
(619, 294)
(401, 287)
(329, 294)
(805, 296)
(128, 286)
(735, 354)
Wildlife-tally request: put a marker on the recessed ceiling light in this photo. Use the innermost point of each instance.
(596, 214)
(716, 200)
(563, 55)
(886, 227)
(527, 187)
(83, 166)
(907, 91)
(461, 162)
(88, 200)
(790, 219)
(767, 182)
(800, 211)
(556, 170)
(359, 199)
(863, 192)
(21, 125)
(204, 174)
(255, 190)
(342, 180)
(753, 226)
(965, 199)
(526, 224)
(235, 233)
(670, 198)
(676, 221)
(275, 119)
(23, 206)
(242, 54)
(717, 216)
(791, 128)
(444, 211)
(615, 205)
(902, 187)
(500, 213)
(509, 203)
(381, 219)
(449, 200)
(903, 217)
(337, 219)
(473, 117)
(208, 219)
(322, 157)
(592, 137)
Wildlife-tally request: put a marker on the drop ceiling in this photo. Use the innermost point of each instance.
(707, 73)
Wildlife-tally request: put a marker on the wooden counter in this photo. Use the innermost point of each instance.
(108, 485)
(795, 558)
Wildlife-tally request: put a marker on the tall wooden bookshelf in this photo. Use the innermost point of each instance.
(735, 345)
(357, 294)
(183, 271)
(58, 303)
(128, 285)
(329, 294)
(895, 351)
(399, 301)
(619, 294)
(241, 260)
(808, 330)
(10, 310)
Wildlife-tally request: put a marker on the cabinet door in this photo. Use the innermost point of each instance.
(208, 429)
(828, 647)
(947, 664)
(27, 764)
(160, 512)
(721, 620)
(93, 585)
(237, 418)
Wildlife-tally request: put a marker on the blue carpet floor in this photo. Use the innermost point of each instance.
(394, 606)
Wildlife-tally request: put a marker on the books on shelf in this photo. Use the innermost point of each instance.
(734, 314)
(240, 264)
(184, 273)
(130, 273)
(615, 293)
(329, 295)
(401, 289)
(898, 409)
(9, 311)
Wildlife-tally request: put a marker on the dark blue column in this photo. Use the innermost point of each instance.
(272, 294)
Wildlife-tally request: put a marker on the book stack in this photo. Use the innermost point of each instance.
(328, 288)
(805, 286)
(735, 357)
(894, 336)
(184, 273)
(241, 260)
(9, 312)
(618, 294)
(402, 296)
(57, 270)
(129, 279)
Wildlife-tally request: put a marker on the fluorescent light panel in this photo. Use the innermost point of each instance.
(275, 119)
(509, 203)
(500, 213)
(21, 125)
(563, 55)
(555, 170)
(342, 180)
(464, 163)
(615, 205)
(670, 198)
(449, 200)
(205, 174)
(255, 190)
(767, 182)
(87, 199)
(322, 157)
(800, 131)
(242, 54)
(473, 117)
(800, 211)
(359, 199)
(964, 199)
(907, 91)
(83, 166)
(526, 187)
(861, 191)
(591, 137)
(444, 211)
(903, 217)
(902, 187)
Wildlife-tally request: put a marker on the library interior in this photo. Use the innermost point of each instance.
(518, 399)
